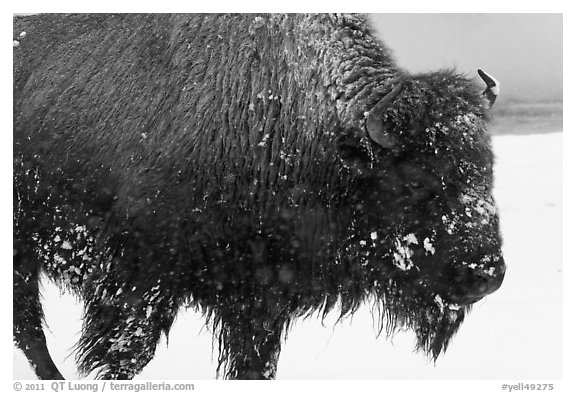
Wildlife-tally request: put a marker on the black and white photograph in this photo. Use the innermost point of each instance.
(288, 196)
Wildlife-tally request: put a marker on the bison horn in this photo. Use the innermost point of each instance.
(374, 123)
(492, 87)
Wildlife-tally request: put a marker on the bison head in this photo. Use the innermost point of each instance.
(425, 169)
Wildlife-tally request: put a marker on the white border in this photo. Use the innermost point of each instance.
(568, 384)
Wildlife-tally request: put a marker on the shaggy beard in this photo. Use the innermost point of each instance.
(434, 322)
(433, 326)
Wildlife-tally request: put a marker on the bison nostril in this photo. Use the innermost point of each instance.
(470, 284)
(486, 281)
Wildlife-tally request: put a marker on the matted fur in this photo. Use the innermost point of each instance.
(221, 162)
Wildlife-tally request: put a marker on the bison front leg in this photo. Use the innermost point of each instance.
(28, 332)
(119, 338)
(250, 341)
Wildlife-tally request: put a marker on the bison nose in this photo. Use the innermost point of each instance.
(474, 281)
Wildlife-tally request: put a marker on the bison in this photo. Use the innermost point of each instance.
(259, 168)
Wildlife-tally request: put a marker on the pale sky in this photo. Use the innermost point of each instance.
(524, 51)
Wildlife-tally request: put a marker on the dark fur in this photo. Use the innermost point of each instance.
(221, 161)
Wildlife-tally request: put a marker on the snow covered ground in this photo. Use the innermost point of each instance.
(513, 334)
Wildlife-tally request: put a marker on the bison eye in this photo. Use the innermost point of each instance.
(416, 184)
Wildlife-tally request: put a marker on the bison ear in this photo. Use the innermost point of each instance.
(375, 123)
(353, 154)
